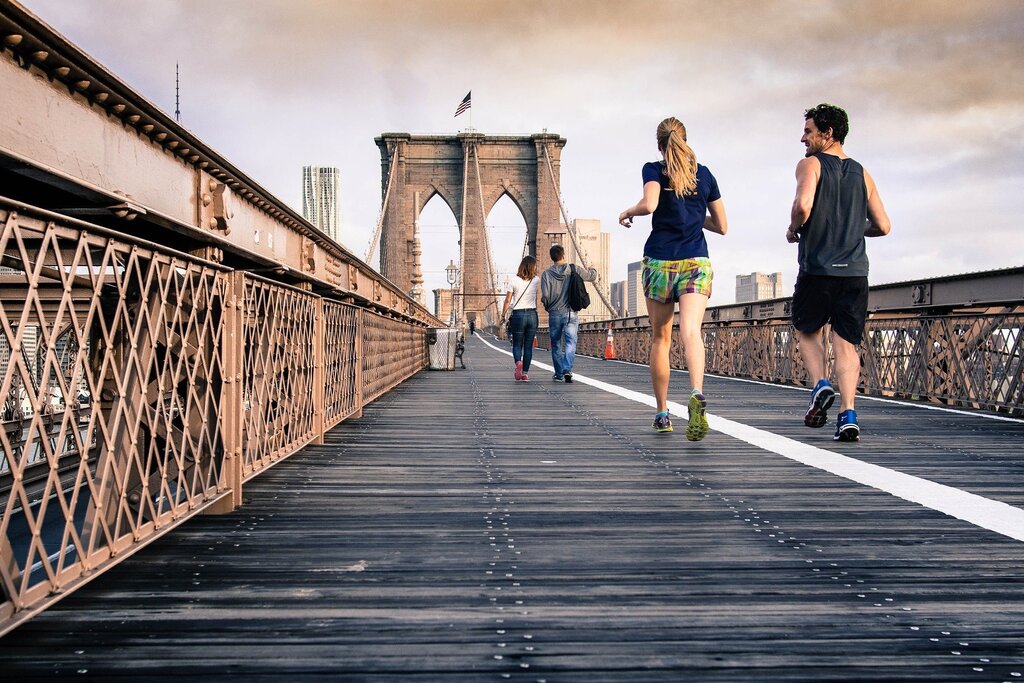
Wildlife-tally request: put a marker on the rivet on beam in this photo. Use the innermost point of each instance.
(148, 128)
(83, 84)
(184, 150)
(173, 143)
(193, 159)
(204, 164)
(118, 108)
(62, 71)
(101, 97)
(160, 137)
(133, 119)
(12, 40)
(40, 55)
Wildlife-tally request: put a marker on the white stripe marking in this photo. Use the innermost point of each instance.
(983, 512)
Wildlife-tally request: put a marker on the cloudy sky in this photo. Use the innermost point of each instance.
(934, 89)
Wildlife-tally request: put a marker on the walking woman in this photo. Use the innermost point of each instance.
(685, 201)
(523, 323)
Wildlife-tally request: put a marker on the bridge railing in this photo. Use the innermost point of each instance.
(142, 386)
(970, 356)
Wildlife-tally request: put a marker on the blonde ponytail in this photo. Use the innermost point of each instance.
(680, 160)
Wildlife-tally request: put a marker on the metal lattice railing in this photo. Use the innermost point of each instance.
(970, 360)
(141, 386)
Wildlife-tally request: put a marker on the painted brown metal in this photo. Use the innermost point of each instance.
(69, 124)
(972, 358)
(142, 386)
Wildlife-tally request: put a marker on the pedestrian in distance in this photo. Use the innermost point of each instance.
(684, 198)
(522, 324)
(837, 205)
(563, 321)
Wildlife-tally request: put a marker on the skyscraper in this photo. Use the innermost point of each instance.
(758, 287)
(619, 298)
(595, 245)
(320, 199)
(635, 290)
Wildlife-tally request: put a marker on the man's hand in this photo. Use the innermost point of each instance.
(792, 235)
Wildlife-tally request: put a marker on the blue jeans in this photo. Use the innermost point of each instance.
(523, 324)
(563, 328)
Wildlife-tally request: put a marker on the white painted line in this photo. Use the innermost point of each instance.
(860, 397)
(983, 512)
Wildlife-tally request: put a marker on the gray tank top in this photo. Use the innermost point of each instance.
(832, 239)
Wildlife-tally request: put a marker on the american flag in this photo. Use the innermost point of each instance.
(465, 104)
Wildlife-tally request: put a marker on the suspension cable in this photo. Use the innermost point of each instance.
(383, 209)
(572, 233)
(493, 279)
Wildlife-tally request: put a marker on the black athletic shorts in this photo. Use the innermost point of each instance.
(821, 299)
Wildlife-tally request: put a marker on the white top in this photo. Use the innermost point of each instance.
(527, 299)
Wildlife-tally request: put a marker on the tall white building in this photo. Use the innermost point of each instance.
(596, 247)
(635, 290)
(758, 287)
(320, 199)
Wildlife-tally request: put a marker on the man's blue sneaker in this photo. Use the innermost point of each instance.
(662, 423)
(821, 400)
(846, 427)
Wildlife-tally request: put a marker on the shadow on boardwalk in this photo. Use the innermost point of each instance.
(471, 528)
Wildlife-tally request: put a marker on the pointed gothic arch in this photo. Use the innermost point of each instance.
(471, 172)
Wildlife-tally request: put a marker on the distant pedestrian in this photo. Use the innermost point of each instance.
(523, 321)
(837, 205)
(472, 327)
(685, 201)
(563, 322)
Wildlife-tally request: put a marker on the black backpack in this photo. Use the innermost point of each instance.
(578, 296)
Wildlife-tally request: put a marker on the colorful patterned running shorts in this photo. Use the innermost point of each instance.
(667, 281)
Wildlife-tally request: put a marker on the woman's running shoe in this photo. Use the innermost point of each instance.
(697, 427)
(662, 423)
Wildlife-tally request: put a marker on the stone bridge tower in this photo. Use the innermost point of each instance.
(470, 172)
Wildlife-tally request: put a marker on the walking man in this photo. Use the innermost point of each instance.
(563, 322)
(837, 205)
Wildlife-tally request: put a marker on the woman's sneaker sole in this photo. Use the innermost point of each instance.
(697, 427)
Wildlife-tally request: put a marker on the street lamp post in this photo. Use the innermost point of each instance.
(452, 271)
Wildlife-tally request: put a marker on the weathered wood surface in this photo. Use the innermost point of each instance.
(467, 527)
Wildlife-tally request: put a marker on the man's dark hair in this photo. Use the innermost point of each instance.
(557, 252)
(830, 116)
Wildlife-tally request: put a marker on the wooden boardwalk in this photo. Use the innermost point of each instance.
(469, 528)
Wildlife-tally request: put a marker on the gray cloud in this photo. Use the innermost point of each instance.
(935, 91)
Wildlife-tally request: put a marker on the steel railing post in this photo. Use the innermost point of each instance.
(232, 400)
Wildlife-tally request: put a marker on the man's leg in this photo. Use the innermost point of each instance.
(847, 371)
(812, 350)
(556, 330)
(572, 328)
(661, 316)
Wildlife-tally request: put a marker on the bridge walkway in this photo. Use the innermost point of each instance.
(470, 528)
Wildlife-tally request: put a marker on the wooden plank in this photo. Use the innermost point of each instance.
(468, 527)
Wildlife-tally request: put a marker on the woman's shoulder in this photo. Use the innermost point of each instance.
(658, 166)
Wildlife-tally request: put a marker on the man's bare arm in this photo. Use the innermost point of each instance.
(807, 173)
(878, 220)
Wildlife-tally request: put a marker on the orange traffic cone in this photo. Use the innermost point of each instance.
(609, 346)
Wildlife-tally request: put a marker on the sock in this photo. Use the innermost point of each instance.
(664, 412)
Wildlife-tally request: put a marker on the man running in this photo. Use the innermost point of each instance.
(837, 205)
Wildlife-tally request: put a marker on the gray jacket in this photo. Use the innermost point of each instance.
(554, 287)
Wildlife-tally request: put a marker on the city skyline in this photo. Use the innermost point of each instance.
(937, 121)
